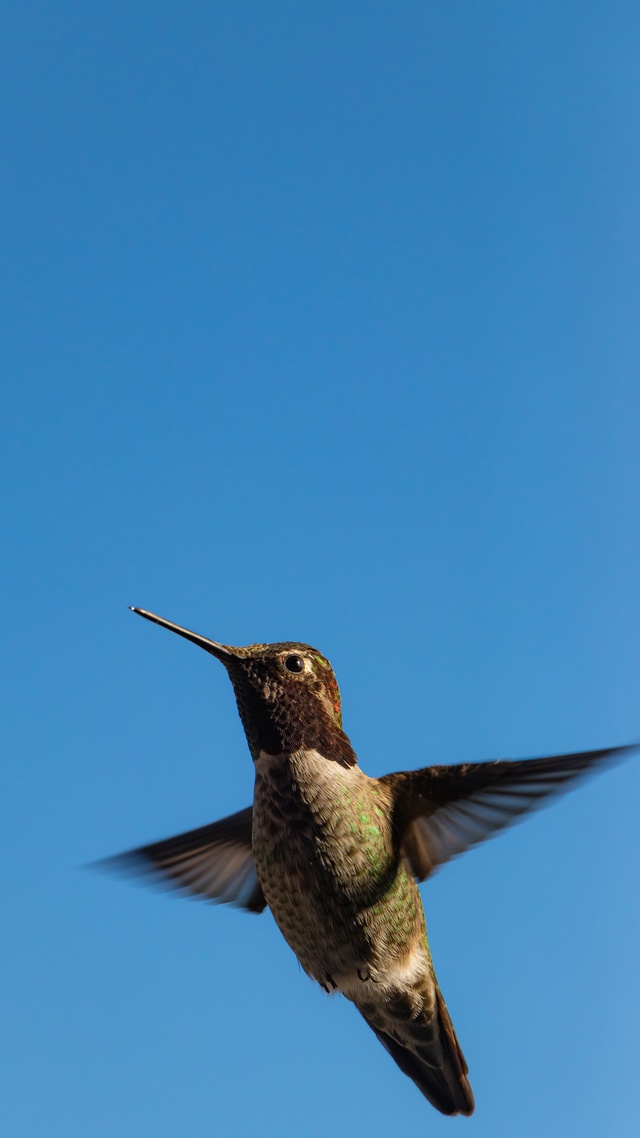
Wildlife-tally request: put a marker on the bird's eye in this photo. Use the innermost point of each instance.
(294, 664)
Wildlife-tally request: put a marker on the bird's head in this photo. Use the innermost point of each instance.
(287, 695)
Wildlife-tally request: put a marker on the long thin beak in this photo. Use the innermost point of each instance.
(220, 651)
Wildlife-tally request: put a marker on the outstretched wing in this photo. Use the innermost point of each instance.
(215, 862)
(441, 811)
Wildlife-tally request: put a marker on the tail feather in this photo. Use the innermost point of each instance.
(426, 1048)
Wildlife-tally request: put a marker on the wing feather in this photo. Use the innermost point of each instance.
(441, 811)
(214, 862)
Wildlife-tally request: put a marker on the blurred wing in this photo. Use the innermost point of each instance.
(215, 862)
(441, 811)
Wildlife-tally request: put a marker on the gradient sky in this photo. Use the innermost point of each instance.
(320, 323)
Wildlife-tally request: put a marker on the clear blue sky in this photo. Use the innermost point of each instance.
(320, 322)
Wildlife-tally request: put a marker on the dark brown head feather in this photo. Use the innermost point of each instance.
(281, 711)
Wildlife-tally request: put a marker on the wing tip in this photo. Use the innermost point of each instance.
(143, 865)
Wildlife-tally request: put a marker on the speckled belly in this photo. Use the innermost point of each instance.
(345, 905)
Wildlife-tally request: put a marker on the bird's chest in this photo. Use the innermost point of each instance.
(322, 849)
(315, 821)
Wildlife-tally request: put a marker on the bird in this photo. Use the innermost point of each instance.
(336, 855)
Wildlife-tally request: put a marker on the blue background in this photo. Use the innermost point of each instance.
(320, 322)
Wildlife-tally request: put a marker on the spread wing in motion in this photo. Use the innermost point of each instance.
(441, 811)
(215, 862)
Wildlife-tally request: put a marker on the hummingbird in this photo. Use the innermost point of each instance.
(336, 854)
